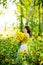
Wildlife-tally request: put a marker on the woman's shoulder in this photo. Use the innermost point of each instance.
(28, 35)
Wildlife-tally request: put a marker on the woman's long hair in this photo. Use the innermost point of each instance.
(28, 29)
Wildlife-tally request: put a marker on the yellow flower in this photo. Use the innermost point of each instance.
(24, 51)
(33, 39)
(24, 62)
(13, 62)
(38, 42)
(42, 39)
(12, 37)
(34, 60)
(0, 39)
(7, 60)
(7, 35)
(0, 53)
(0, 34)
(12, 42)
(42, 33)
(6, 42)
(41, 62)
(11, 47)
(41, 58)
(33, 33)
(42, 47)
(39, 38)
(21, 37)
(20, 53)
(25, 38)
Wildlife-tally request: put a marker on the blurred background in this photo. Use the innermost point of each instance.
(15, 14)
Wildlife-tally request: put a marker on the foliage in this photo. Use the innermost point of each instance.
(8, 50)
(9, 54)
(31, 12)
(34, 56)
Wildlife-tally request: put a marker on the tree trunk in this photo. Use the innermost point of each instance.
(39, 20)
(42, 17)
(31, 6)
(21, 23)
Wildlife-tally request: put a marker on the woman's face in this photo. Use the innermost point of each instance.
(25, 30)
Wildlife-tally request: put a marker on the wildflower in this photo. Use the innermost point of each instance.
(39, 42)
(0, 53)
(42, 47)
(39, 38)
(42, 39)
(24, 51)
(7, 35)
(25, 38)
(33, 33)
(42, 33)
(33, 39)
(0, 34)
(41, 63)
(7, 60)
(20, 53)
(12, 42)
(21, 37)
(11, 47)
(41, 58)
(0, 39)
(13, 62)
(34, 60)
(24, 62)
(6, 42)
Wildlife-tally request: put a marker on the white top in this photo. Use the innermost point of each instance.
(23, 47)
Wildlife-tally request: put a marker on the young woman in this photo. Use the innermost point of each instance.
(27, 30)
(24, 46)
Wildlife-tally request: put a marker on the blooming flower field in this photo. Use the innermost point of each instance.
(9, 47)
(21, 32)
